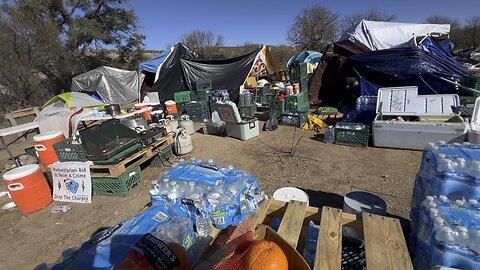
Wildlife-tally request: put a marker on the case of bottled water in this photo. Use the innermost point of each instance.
(199, 189)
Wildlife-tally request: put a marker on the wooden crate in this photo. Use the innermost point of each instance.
(136, 159)
(385, 245)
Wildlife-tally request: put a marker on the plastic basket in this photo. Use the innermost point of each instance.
(277, 105)
(159, 159)
(202, 85)
(296, 119)
(200, 95)
(67, 151)
(295, 102)
(304, 85)
(248, 110)
(346, 134)
(467, 104)
(183, 96)
(194, 108)
(297, 71)
(117, 187)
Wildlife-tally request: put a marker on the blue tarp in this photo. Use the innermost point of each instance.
(311, 57)
(151, 65)
(432, 46)
(368, 88)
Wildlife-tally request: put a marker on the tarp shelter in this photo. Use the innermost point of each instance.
(311, 58)
(387, 35)
(113, 85)
(151, 65)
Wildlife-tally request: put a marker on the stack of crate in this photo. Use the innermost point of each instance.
(198, 107)
(182, 98)
(298, 74)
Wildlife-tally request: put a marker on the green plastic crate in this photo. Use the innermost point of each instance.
(248, 110)
(304, 85)
(295, 102)
(346, 134)
(117, 187)
(305, 107)
(67, 151)
(202, 85)
(200, 96)
(467, 104)
(182, 97)
(472, 82)
(277, 105)
(297, 71)
(159, 159)
(296, 119)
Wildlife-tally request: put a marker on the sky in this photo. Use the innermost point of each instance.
(267, 21)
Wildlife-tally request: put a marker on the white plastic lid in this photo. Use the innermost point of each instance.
(21, 171)
(47, 136)
(286, 194)
(357, 202)
(170, 102)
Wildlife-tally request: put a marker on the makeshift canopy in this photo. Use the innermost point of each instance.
(151, 65)
(113, 85)
(386, 35)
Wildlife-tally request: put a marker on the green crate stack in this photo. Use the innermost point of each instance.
(159, 159)
(198, 111)
(467, 104)
(295, 102)
(181, 108)
(347, 134)
(277, 105)
(182, 97)
(304, 84)
(305, 107)
(472, 82)
(202, 85)
(296, 119)
(248, 110)
(201, 95)
(297, 72)
(117, 187)
(66, 150)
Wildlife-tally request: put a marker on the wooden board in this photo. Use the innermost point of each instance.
(329, 243)
(136, 159)
(292, 221)
(385, 246)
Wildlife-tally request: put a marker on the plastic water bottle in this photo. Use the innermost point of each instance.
(445, 235)
(202, 220)
(174, 194)
(462, 236)
(330, 134)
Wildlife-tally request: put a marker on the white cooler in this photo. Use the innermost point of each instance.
(436, 122)
(236, 126)
(474, 132)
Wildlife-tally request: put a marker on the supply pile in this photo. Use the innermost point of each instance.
(445, 211)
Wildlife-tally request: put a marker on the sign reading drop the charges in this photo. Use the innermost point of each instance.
(72, 182)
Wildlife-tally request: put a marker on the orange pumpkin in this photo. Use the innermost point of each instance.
(264, 255)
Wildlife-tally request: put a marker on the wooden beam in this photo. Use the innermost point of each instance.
(385, 246)
(292, 221)
(259, 215)
(329, 243)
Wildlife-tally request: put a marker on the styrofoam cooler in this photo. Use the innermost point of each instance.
(474, 131)
(237, 127)
(437, 122)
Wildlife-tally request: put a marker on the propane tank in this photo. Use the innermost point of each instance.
(182, 144)
(186, 124)
(172, 124)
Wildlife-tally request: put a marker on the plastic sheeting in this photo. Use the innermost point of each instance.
(368, 88)
(111, 84)
(311, 57)
(386, 35)
(151, 65)
(225, 74)
(432, 46)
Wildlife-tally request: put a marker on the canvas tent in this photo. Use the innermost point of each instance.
(182, 66)
(386, 35)
(71, 100)
(113, 85)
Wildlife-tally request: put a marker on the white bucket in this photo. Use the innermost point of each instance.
(287, 194)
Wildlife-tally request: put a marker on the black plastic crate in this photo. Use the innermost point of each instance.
(68, 150)
(196, 107)
(351, 134)
(202, 85)
(201, 96)
(296, 119)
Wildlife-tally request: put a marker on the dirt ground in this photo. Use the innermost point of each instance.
(325, 171)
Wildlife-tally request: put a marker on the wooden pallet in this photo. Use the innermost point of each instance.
(136, 159)
(385, 246)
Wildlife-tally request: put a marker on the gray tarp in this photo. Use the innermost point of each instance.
(113, 85)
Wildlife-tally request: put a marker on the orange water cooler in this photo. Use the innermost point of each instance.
(44, 145)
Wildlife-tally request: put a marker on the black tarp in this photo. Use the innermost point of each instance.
(170, 79)
(225, 73)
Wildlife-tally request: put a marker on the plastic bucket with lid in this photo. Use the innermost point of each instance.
(28, 188)
(286, 194)
(147, 114)
(171, 107)
(44, 145)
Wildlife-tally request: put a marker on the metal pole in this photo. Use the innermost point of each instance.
(8, 151)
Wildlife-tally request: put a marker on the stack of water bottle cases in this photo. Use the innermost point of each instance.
(205, 193)
(445, 209)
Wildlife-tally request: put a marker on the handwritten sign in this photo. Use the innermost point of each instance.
(72, 182)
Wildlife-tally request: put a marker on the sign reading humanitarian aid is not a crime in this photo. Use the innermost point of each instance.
(72, 182)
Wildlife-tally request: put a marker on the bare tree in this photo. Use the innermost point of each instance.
(202, 41)
(456, 30)
(472, 32)
(313, 28)
(369, 15)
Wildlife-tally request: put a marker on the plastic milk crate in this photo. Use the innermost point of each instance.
(160, 159)
(248, 110)
(295, 102)
(117, 187)
(296, 119)
(182, 97)
(202, 85)
(67, 151)
(277, 105)
(200, 95)
(351, 134)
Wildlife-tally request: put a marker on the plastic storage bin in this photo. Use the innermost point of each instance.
(117, 187)
(435, 119)
(244, 130)
(183, 96)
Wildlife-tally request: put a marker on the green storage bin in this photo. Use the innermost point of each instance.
(277, 105)
(182, 97)
(200, 96)
(66, 150)
(346, 134)
(296, 119)
(295, 102)
(472, 82)
(159, 159)
(117, 187)
(202, 85)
